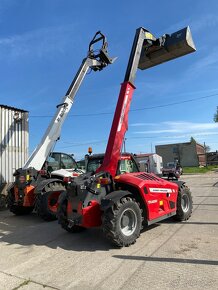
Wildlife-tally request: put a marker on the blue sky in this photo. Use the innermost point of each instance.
(42, 44)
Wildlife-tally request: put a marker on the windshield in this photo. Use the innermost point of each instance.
(127, 166)
(67, 162)
(58, 161)
(124, 165)
(93, 164)
(170, 165)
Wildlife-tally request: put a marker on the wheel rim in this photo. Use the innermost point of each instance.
(128, 222)
(52, 201)
(185, 203)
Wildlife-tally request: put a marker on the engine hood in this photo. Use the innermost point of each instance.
(67, 172)
(143, 179)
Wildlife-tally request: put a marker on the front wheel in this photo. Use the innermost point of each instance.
(122, 223)
(47, 201)
(62, 215)
(184, 204)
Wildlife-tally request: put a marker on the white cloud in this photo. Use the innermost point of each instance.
(210, 61)
(167, 141)
(185, 128)
(197, 24)
(190, 126)
(157, 131)
(39, 42)
(142, 124)
(208, 57)
(209, 20)
(5, 5)
(186, 97)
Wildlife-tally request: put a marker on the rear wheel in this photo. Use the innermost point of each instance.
(17, 209)
(184, 204)
(3, 201)
(62, 216)
(122, 223)
(47, 201)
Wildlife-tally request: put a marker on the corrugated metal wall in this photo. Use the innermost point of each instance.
(14, 138)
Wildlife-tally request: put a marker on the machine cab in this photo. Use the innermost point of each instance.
(126, 164)
(58, 160)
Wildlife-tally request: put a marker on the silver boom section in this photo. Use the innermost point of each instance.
(52, 134)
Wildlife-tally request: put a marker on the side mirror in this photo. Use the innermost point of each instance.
(169, 46)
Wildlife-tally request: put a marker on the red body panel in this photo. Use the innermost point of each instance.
(118, 130)
(158, 195)
(91, 215)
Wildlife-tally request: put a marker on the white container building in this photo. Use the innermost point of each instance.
(151, 162)
(14, 142)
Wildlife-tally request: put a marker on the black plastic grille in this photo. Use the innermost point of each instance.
(146, 176)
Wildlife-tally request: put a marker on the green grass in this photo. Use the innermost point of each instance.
(200, 169)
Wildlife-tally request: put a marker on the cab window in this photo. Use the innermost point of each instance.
(52, 164)
(127, 166)
(93, 164)
(67, 162)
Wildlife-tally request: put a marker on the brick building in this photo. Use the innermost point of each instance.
(188, 153)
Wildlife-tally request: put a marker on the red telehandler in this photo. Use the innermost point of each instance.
(123, 203)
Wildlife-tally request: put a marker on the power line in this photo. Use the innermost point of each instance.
(139, 137)
(83, 144)
(133, 110)
(176, 103)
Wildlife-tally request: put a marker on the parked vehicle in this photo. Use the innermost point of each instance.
(123, 203)
(62, 165)
(33, 187)
(172, 170)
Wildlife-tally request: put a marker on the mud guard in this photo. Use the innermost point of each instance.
(112, 198)
(42, 184)
(178, 182)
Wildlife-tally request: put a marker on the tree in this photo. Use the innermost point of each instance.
(192, 139)
(207, 148)
(215, 118)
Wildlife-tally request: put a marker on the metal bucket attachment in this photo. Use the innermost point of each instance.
(170, 46)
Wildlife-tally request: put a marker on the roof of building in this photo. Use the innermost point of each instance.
(13, 108)
(181, 143)
(144, 154)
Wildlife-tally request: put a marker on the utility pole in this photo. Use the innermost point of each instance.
(124, 144)
(205, 152)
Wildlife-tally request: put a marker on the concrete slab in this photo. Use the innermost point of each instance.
(167, 255)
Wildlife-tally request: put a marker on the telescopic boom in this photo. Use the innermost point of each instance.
(94, 61)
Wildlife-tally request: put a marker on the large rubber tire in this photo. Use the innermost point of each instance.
(46, 201)
(3, 201)
(184, 204)
(17, 209)
(122, 223)
(62, 215)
